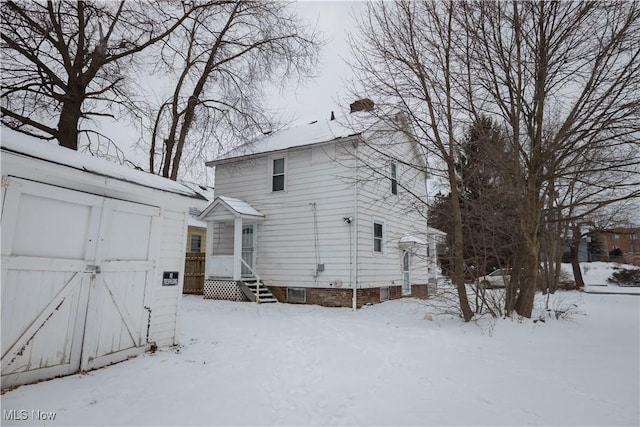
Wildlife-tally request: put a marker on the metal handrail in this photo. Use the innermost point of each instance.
(258, 279)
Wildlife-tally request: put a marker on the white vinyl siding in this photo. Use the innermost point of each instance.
(290, 242)
(166, 299)
(290, 245)
(397, 213)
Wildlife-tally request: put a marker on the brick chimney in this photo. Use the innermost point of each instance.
(364, 104)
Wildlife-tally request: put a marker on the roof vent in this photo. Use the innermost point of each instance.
(364, 104)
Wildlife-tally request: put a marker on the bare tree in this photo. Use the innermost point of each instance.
(66, 62)
(220, 59)
(562, 78)
(403, 58)
(565, 80)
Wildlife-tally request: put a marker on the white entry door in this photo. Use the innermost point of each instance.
(248, 248)
(406, 273)
(75, 274)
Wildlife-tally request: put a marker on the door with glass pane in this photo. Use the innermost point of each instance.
(406, 268)
(248, 248)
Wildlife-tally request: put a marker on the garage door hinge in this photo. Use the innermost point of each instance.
(95, 269)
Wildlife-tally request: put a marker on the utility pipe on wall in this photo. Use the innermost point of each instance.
(355, 231)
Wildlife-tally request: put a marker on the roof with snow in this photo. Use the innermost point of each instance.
(237, 207)
(411, 239)
(21, 144)
(316, 132)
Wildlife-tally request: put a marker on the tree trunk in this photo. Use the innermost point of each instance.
(530, 223)
(574, 253)
(68, 123)
(526, 296)
(458, 250)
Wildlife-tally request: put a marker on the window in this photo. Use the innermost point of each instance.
(384, 294)
(633, 237)
(394, 179)
(377, 237)
(614, 237)
(195, 244)
(296, 295)
(277, 179)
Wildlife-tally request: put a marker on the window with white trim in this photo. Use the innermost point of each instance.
(278, 174)
(378, 231)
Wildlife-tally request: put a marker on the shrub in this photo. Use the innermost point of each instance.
(625, 277)
(616, 252)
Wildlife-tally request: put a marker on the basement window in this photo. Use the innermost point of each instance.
(384, 294)
(296, 294)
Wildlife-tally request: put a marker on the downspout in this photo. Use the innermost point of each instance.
(355, 231)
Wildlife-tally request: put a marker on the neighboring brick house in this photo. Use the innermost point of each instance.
(619, 244)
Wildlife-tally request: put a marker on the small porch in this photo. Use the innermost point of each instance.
(232, 235)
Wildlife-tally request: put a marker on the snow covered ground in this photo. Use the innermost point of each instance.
(388, 364)
(595, 275)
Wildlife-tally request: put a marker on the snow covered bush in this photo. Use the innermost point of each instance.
(625, 277)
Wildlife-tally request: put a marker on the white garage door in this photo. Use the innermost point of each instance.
(76, 270)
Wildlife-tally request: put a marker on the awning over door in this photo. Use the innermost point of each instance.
(225, 206)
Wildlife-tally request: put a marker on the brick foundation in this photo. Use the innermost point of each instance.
(341, 297)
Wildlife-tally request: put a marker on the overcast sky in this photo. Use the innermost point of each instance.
(315, 99)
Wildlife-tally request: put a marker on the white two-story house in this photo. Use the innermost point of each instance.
(320, 214)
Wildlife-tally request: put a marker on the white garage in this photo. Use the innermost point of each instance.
(92, 260)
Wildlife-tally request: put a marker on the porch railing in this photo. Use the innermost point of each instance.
(256, 276)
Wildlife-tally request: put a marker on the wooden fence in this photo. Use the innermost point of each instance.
(194, 273)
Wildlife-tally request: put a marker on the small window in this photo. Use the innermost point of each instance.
(195, 244)
(384, 294)
(377, 237)
(278, 175)
(394, 179)
(296, 295)
(614, 237)
(634, 237)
